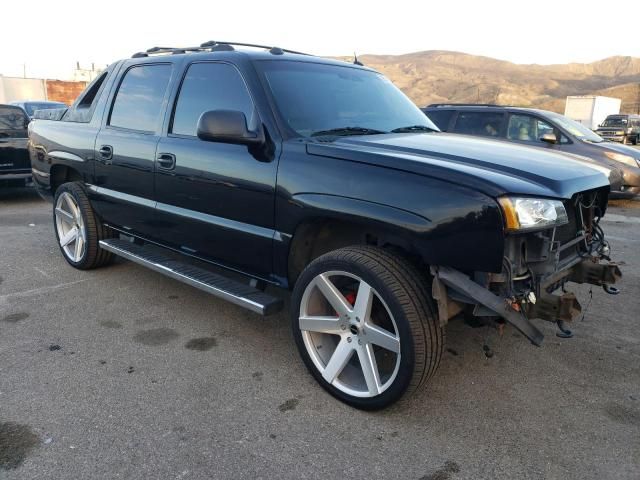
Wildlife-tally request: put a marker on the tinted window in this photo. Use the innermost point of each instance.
(138, 104)
(486, 124)
(210, 86)
(313, 97)
(12, 120)
(440, 117)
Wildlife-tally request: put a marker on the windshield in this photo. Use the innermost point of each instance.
(315, 98)
(32, 107)
(12, 119)
(615, 122)
(575, 128)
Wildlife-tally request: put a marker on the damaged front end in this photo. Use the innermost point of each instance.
(537, 265)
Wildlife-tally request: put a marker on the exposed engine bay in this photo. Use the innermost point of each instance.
(537, 266)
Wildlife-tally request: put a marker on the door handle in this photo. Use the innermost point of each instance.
(166, 161)
(106, 152)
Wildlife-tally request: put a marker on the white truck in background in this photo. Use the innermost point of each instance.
(591, 110)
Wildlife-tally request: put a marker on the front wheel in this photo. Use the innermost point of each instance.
(78, 229)
(365, 326)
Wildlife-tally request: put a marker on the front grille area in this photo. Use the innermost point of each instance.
(581, 210)
(568, 232)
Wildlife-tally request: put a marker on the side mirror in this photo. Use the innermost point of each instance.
(227, 126)
(549, 138)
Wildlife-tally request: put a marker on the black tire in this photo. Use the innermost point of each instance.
(404, 289)
(93, 256)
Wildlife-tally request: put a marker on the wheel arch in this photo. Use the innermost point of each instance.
(345, 222)
(60, 174)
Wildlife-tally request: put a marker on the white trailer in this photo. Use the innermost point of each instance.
(591, 110)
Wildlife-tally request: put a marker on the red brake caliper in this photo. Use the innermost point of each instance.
(349, 297)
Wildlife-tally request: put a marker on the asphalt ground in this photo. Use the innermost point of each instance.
(122, 373)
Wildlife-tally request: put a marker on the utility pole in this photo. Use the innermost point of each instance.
(638, 101)
(24, 70)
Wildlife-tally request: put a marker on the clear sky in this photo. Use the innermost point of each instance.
(50, 36)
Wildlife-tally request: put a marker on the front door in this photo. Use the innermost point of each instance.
(125, 150)
(215, 200)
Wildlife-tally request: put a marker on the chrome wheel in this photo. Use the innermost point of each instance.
(349, 334)
(71, 230)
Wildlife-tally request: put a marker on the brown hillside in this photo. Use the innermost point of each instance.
(442, 76)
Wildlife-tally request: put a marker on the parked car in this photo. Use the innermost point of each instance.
(15, 167)
(31, 106)
(620, 128)
(321, 177)
(544, 129)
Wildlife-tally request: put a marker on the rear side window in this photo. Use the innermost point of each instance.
(138, 103)
(210, 86)
(487, 124)
(440, 117)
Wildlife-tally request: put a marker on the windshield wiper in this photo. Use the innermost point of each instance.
(344, 131)
(414, 128)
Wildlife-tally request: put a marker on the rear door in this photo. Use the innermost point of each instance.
(14, 156)
(215, 200)
(125, 148)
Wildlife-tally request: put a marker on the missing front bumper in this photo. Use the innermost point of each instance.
(452, 288)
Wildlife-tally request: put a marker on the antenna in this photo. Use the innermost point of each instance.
(356, 61)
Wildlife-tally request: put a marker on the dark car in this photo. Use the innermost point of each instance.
(544, 129)
(321, 177)
(620, 128)
(15, 167)
(32, 106)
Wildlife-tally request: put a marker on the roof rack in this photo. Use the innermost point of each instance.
(212, 46)
(438, 105)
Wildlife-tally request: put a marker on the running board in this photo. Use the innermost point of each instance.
(233, 291)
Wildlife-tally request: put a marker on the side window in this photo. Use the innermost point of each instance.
(526, 128)
(138, 103)
(210, 86)
(92, 90)
(485, 124)
(440, 117)
(82, 110)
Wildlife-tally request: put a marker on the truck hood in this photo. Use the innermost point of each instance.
(492, 167)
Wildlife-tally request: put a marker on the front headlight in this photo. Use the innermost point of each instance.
(523, 213)
(621, 157)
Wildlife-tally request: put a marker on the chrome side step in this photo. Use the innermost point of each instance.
(233, 291)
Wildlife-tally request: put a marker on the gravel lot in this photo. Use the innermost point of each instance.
(122, 373)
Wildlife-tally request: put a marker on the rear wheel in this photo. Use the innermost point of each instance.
(365, 326)
(78, 230)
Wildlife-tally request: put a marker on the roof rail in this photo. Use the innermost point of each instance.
(212, 46)
(438, 105)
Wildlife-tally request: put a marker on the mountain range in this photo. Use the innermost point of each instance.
(438, 76)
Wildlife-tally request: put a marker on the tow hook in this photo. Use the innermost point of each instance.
(610, 289)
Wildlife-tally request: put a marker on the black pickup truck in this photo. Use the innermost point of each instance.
(320, 177)
(15, 169)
